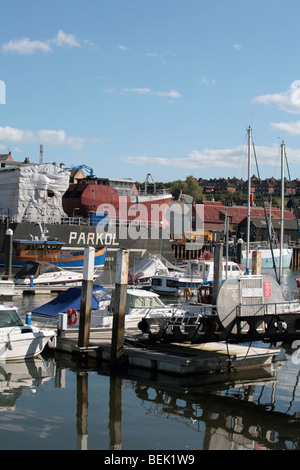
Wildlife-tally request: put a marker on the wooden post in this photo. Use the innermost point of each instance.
(115, 412)
(82, 410)
(8, 256)
(218, 258)
(86, 298)
(256, 262)
(119, 309)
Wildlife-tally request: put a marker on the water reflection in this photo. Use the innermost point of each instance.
(252, 409)
(231, 411)
(17, 376)
(84, 407)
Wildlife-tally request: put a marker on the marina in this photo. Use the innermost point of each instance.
(149, 229)
(59, 401)
(219, 329)
(171, 378)
(203, 326)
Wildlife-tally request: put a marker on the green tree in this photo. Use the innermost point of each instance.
(190, 186)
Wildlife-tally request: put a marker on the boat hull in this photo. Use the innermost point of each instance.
(267, 259)
(66, 261)
(77, 237)
(24, 345)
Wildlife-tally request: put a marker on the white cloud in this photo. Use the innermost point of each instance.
(122, 48)
(205, 81)
(63, 39)
(215, 158)
(57, 138)
(286, 100)
(147, 91)
(292, 128)
(237, 47)
(26, 46)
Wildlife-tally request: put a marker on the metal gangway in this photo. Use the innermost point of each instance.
(247, 310)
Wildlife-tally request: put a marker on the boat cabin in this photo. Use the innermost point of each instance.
(138, 299)
(35, 269)
(205, 269)
(43, 250)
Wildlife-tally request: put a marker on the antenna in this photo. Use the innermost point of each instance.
(41, 153)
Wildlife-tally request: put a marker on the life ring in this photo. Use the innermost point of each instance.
(187, 292)
(130, 278)
(72, 316)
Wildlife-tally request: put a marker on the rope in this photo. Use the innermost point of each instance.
(266, 217)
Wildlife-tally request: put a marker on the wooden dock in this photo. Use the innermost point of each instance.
(175, 359)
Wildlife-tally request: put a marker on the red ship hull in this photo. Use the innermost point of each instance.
(97, 195)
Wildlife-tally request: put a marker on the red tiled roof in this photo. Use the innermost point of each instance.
(214, 212)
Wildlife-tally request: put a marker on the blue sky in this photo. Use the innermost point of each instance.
(168, 87)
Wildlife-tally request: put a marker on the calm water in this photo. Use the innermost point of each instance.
(54, 403)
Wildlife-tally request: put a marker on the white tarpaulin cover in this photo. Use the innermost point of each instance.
(34, 192)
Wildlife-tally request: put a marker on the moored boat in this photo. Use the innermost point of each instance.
(269, 257)
(18, 340)
(50, 251)
(35, 273)
(198, 272)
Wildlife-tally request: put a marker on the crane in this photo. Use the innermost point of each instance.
(85, 167)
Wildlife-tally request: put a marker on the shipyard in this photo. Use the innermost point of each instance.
(149, 229)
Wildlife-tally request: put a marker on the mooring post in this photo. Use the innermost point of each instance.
(256, 262)
(82, 410)
(119, 309)
(239, 250)
(86, 297)
(8, 255)
(218, 258)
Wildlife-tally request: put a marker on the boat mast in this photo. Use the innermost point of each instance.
(282, 208)
(249, 193)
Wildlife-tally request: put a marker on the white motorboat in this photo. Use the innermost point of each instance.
(36, 273)
(197, 272)
(140, 304)
(148, 267)
(269, 257)
(18, 340)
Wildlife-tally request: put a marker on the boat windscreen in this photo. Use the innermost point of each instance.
(9, 318)
(29, 269)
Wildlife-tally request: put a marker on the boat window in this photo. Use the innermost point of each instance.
(150, 302)
(49, 269)
(29, 269)
(16, 251)
(9, 318)
(235, 268)
(156, 282)
(54, 247)
(137, 302)
(172, 283)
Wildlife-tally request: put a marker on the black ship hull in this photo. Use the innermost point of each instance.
(79, 236)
